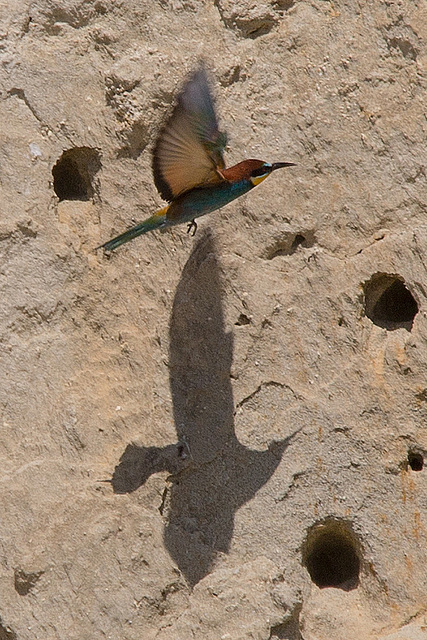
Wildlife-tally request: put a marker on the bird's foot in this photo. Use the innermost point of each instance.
(191, 225)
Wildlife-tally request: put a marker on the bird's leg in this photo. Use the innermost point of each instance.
(192, 224)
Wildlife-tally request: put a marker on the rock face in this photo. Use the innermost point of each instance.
(218, 437)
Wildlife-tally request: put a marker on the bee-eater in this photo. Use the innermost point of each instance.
(188, 164)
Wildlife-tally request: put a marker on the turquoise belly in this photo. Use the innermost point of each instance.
(198, 202)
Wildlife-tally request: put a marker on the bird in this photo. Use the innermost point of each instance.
(188, 164)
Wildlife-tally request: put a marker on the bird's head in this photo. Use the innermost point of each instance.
(260, 173)
(254, 170)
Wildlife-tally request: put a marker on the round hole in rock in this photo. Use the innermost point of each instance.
(415, 461)
(331, 554)
(74, 172)
(389, 303)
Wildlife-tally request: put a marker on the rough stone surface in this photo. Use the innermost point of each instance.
(185, 423)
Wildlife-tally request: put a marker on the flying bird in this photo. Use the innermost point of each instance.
(188, 164)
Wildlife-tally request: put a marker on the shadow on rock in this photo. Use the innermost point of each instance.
(212, 474)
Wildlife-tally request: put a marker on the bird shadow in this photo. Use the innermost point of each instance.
(212, 473)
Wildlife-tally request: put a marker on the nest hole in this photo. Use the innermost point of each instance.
(389, 303)
(74, 172)
(331, 555)
(415, 461)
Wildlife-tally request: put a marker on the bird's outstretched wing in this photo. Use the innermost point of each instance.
(189, 150)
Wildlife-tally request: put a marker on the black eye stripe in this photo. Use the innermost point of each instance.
(259, 172)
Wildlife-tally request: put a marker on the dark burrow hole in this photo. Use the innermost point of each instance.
(389, 303)
(415, 461)
(331, 555)
(74, 173)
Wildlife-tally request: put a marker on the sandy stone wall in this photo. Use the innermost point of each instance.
(218, 437)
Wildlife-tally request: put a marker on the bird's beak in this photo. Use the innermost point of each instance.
(280, 165)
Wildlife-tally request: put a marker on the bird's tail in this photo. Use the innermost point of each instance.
(155, 221)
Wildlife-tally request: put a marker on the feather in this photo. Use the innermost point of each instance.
(189, 150)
